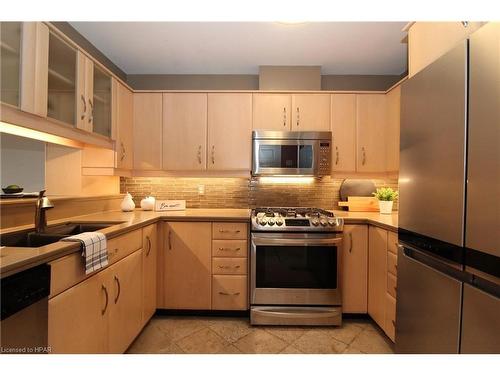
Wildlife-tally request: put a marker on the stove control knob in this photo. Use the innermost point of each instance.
(315, 222)
(279, 222)
(271, 221)
(262, 221)
(323, 222)
(332, 222)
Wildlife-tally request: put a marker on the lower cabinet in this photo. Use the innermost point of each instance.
(354, 270)
(229, 292)
(149, 266)
(100, 314)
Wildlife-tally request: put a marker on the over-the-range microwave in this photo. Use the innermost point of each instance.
(286, 153)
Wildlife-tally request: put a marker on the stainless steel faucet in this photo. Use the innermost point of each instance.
(42, 205)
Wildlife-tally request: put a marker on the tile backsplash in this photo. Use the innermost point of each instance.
(240, 192)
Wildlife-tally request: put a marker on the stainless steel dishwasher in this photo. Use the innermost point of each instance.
(24, 311)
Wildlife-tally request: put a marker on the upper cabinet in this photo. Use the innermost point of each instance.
(100, 105)
(392, 129)
(184, 131)
(147, 131)
(343, 115)
(10, 62)
(272, 112)
(229, 131)
(62, 81)
(311, 112)
(427, 41)
(124, 112)
(371, 126)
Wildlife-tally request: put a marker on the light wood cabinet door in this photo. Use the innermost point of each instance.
(147, 131)
(272, 112)
(125, 302)
(311, 112)
(229, 131)
(377, 274)
(10, 61)
(371, 122)
(187, 266)
(355, 269)
(390, 317)
(124, 112)
(343, 115)
(149, 257)
(184, 131)
(392, 129)
(78, 317)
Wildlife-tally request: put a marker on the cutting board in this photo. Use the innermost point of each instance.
(361, 204)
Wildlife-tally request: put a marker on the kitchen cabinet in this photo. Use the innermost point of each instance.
(78, 317)
(377, 274)
(343, 124)
(187, 266)
(354, 269)
(311, 112)
(101, 104)
(147, 131)
(272, 112)
(124, 112)
(125, 308)
(229, 292)
(229, 131)
(185, 131)
(10, 62)
(371, 131)
(84, 92)
(392, 129)
(427, 41)
(149, 265)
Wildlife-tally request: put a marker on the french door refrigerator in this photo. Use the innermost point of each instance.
(449, 205)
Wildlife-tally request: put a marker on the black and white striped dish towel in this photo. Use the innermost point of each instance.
(95, 250)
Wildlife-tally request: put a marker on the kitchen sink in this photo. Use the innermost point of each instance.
(51, 235)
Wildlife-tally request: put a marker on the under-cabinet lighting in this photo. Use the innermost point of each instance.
(38, 135)
(286, 180)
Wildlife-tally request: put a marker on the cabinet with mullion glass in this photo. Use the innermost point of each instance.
(10, 62)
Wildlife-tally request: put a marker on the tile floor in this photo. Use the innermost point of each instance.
(234, 335)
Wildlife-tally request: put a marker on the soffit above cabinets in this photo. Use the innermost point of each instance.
(241, 47)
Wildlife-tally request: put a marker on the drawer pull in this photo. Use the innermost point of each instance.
(228, 249)
(229, 231)
(229, 294)
(227, 267)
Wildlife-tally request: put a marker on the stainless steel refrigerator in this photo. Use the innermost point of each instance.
(449, 202)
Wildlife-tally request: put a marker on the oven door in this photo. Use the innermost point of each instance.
(285, 157)
(295, 269)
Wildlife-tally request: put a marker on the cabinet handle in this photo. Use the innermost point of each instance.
(213, 154)
(393, 323)
(149, 245)
(123, 151)
(84, 107)
(228, 249)
(227, 267)
(91, 117)
(350, 242)
(170, 240)
(336, 155)
(229, 294)
(363, 161)
(298, 116)
(199, 154)
(119, 289)
(284, 116)
(229, 231)
(103, 288)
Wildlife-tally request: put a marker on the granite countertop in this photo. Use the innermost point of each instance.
(16, 259)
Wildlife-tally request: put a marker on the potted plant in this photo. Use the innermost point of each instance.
(385, 198)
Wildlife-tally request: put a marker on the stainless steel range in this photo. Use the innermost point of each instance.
(295, 258)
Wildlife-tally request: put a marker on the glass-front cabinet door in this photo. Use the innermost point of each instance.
(10, 62)
(101, 104)
(61, 103)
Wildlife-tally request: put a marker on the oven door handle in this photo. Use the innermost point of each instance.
(297, 241)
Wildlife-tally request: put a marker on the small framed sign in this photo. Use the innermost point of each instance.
(170, 205)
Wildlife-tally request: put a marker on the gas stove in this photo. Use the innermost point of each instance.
(300, 219)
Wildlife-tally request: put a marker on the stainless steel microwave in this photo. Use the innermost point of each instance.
(282, 153)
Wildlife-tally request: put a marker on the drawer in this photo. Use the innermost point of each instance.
(391, 284)
(392, 263)
(70, 270)
(229, 292)
(229, 231)
(229, 266)
(390, 316)
(392, 242)
(229, 248)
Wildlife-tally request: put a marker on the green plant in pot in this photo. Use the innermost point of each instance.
(386, 197)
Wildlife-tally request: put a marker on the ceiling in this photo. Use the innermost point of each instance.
(240, 47)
